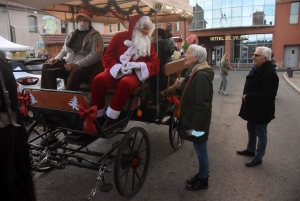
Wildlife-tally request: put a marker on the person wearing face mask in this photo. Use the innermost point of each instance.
(79, 58)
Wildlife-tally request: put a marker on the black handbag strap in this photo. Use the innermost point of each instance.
(8, 117)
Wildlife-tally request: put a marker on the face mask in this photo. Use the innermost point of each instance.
(83, 26)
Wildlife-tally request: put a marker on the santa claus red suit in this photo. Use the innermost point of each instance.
(129, 59)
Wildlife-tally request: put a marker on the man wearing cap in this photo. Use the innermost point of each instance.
(129, 59)
(80, 55)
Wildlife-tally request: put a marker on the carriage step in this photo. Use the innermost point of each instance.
(106, 187)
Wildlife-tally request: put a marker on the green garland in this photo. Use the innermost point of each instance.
(113, 3)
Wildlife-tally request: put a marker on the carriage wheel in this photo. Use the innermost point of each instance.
(132, 162)
(35, 162)
(174, 138)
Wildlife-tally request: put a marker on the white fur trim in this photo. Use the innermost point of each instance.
(142, 73)
(101, 112)
(128, 43)
(112, 113)
(115, 71)
(144, 19)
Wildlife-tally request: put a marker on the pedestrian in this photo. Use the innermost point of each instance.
(274, 61)
(79, 58)
(224, 71)
(196, 110)
(16, 182)
(258, 104)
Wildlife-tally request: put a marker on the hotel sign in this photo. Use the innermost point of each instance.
(219, 38)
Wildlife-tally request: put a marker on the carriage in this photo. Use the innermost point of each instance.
(69, 126)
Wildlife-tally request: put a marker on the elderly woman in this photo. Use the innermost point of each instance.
(196, 110)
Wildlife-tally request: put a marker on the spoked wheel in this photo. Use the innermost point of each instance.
(132, 162)
(174, 138)
(36, 156)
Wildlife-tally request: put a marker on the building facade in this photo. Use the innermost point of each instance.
(27, 26)
(237, 27)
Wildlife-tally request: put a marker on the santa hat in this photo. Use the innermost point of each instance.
(84, 13)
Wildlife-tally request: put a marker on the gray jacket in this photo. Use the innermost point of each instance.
(90, 53)
(224, 67)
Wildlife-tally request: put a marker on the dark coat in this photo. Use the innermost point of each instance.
(196, 109)
(260, 89)
(165, 52)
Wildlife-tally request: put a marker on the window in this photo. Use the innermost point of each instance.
(109, 28)
(32, 23)
(177, 26)
(64, 27)
(294, 13)
(169, 26)
(118, 27)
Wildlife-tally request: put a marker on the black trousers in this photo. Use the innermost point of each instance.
(74, 78)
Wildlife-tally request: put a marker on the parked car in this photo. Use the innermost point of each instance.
(28, 74)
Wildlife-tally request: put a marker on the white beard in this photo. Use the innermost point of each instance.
(142, 44)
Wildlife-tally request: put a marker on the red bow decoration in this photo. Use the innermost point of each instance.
(24, 101)
(90, 116)
(173, 99)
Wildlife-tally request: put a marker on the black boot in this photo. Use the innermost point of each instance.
(100, 120)
(201, 184)
(193, 180)
(108, 123)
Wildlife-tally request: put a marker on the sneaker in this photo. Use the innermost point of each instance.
(220, 92)
(225, 93)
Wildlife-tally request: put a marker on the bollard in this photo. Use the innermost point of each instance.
(290, 72)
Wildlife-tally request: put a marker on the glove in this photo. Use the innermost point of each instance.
(126, 71)
(133, 65)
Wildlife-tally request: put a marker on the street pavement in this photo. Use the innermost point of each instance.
(293, 81)
(276, 179)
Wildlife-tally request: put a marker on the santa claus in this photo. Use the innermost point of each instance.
(129, 59)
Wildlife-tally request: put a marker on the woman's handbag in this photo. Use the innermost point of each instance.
(177, 109)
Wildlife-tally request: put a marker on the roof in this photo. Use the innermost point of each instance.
(50, 39)
(10, 3)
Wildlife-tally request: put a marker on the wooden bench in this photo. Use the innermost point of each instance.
(172, 69)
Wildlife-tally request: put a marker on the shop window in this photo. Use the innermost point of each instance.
(109, 28)
(294, 15)
(118, 26)
(64, 27)
(177, 26)
(32, 23)
(169, 26)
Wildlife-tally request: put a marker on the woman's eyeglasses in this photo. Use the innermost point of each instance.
(256, 55)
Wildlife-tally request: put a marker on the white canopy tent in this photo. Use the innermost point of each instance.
(6, 45)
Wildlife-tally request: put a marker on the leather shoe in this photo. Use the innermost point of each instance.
(245, 153)
(253, 162)
(192, 180)
(108, 123)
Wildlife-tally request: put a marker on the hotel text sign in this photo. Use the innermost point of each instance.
(219, 38)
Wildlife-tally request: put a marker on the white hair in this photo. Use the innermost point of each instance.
(199, 51)
(266, 52)
(142, 43)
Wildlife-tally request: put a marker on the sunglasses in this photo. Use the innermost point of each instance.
(256, 55)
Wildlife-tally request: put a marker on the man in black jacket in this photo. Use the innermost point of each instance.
(258, 104)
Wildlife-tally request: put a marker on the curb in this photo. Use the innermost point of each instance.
(290, 82)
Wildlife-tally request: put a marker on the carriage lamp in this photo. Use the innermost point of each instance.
(28, 80)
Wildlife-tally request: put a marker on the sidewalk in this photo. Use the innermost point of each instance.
(293, 81)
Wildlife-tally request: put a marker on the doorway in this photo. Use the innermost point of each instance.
(291, 56)
(217, 54)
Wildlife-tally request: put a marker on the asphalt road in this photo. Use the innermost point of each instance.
(278, 178)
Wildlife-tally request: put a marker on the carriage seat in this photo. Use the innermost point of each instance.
(172, 71)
